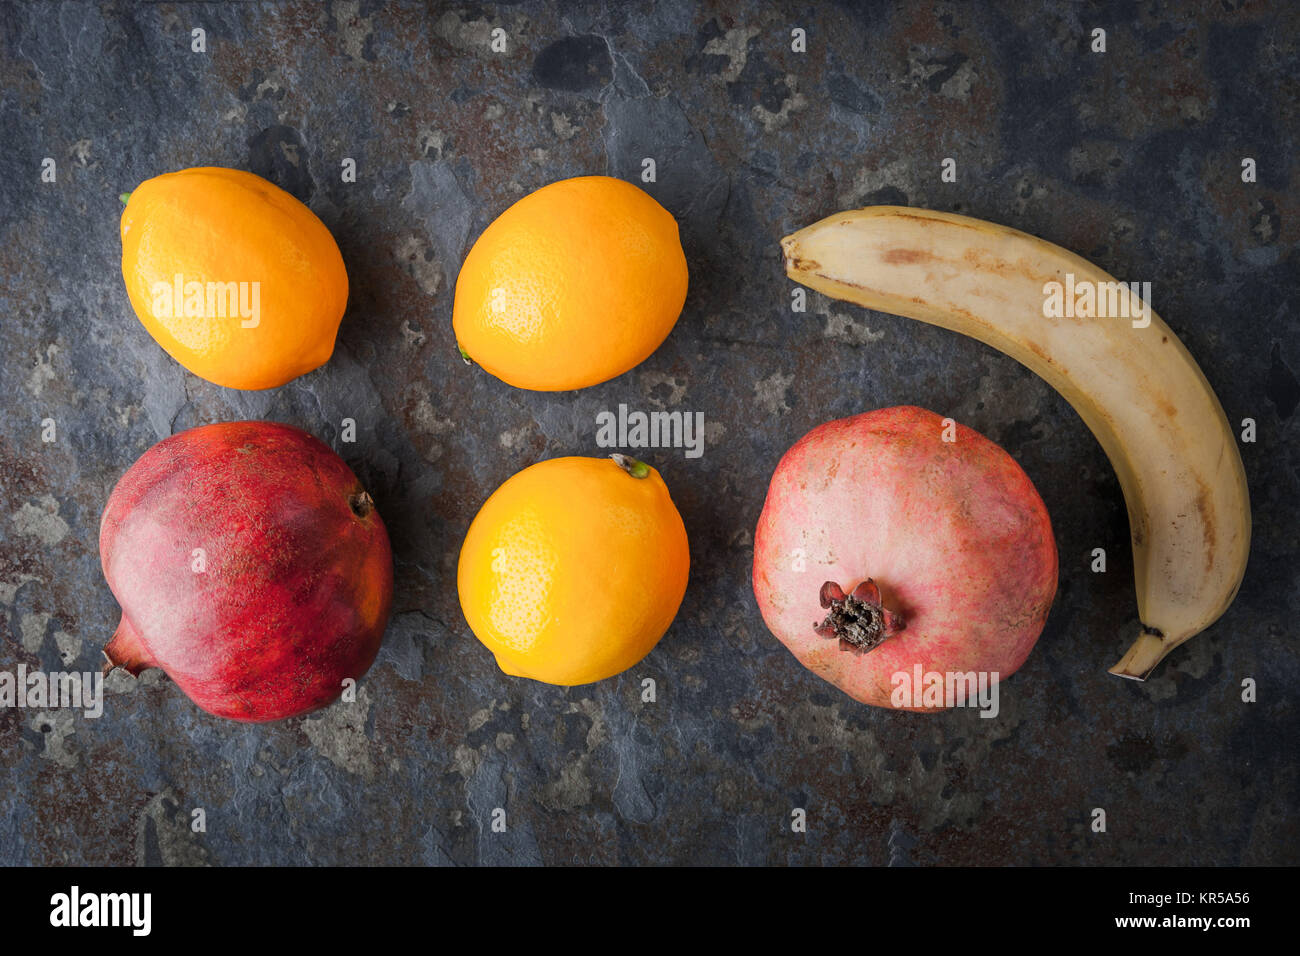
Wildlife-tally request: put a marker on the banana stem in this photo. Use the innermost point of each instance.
(1147, 651)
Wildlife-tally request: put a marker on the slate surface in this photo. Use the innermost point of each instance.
(1132, 158)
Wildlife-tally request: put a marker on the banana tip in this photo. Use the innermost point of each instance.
(787, 250)
(795, 264)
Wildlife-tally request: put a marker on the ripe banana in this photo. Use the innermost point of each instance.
(1131, 381)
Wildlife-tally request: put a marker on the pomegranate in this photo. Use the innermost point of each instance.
(897, 538)
(251, 566)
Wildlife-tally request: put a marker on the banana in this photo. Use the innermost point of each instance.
(1130, 379)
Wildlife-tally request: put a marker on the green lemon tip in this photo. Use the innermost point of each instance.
(635, 468)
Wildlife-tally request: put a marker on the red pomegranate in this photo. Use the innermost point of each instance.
(898, 538)
(251, 566)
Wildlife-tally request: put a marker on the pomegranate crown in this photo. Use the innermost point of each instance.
(859, 621)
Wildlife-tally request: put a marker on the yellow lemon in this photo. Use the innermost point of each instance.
(235, 278)
(572, 285)
(574, 568)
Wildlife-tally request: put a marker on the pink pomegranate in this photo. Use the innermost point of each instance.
(883, 546)
(251, 566)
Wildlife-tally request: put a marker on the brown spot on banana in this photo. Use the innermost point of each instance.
(1206, 509)
(902, 257)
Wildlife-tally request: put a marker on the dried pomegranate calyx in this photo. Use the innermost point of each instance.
(859, 620)
(361, 503)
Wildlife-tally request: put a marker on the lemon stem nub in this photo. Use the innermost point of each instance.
(125, 197)
(464, 355)
(637, 469)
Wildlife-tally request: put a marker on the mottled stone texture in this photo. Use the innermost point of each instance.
(1132, 158)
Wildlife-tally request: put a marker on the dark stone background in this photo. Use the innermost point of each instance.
(1131, 158)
